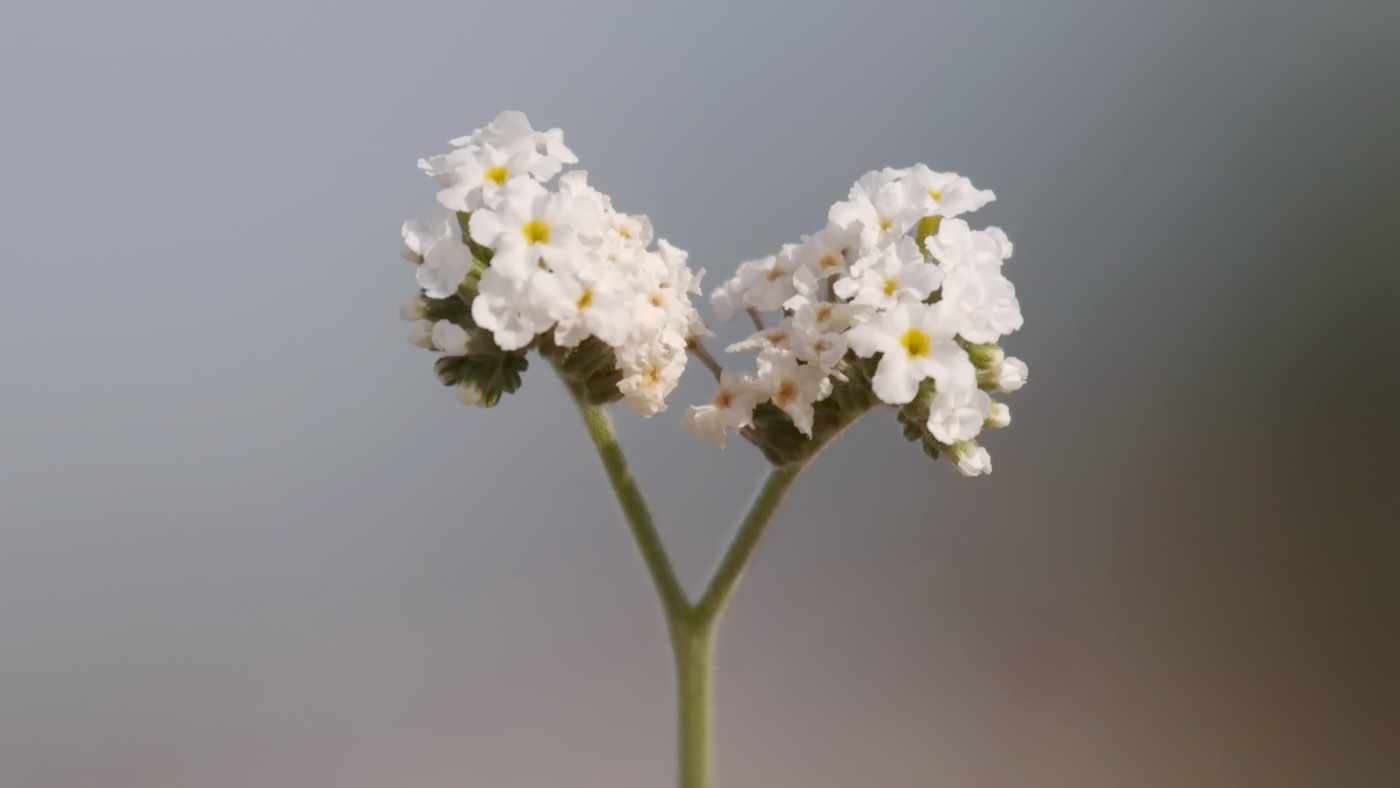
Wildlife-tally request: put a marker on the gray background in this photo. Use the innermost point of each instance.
(246, 540)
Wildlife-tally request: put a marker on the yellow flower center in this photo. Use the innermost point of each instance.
(535, 231)
(828, 261)
(916, 343)
(498, 174)
(585, 299)
(935, 194)
(891, 286)
(885, 223)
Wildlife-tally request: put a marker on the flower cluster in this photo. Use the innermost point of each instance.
(896, 301)
(508, 263)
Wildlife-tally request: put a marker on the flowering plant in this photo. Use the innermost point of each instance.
(896, 303)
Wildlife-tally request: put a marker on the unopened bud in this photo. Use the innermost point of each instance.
(972, 460)
(999, 417)
(1009, 375)
(469, 394)
(421, 334)
(450, 338)
(985, 356)
(414, 310)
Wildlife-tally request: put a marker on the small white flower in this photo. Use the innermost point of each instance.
(915, 341)
(663, 284)
(731, 408)
(878, 208)
(436, 224)
(972, 460)
(450, 338)
(944, 194)
(985, 300)
(480, 173)
(896, 273)
(955, 244)
(793, 387)
(513, 309)
(828, 252)
(511, 130)
(531, 227)
(590, 303)
(771, 282)
(650, 371)
(445, 266)
(777, 338)
(958, 415)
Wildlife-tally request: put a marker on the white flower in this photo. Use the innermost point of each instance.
(828, 252)
(916, 342)
(650, 371)
(513, 310)
(944, 194)
(479, 173)
(958, 415)
(793, 387)
(532, 226)
(420, 334)
(450, 338)
(879, 208)
(445, 266)
(1010, 375)
(956, 244)
(436, 224)
(771, 281)
(590, 303)
(972, 460)
(731, 408)
(815, 332)
(985, 300)
(777, 338)
(896, 273)
(664, 283)
(511, 130)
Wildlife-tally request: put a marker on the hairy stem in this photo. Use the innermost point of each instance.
(692, 626)
(634, 509)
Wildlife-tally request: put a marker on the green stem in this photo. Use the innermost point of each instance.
(692, 627)
(694, 647)
(745, 541)
(634, 509)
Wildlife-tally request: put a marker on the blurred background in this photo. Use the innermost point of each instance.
(247, 540)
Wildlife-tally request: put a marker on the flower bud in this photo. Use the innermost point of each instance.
(450, 338)
(972, 460)
(1009, 375)
(421, 334)
(999, 417)
(416, 309)
(469, 394)
(985, 356)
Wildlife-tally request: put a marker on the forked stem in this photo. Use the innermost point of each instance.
(692, 625)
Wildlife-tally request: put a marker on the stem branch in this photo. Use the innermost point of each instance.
(634, 509)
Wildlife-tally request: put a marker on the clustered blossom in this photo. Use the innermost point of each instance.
(508, 262)
(897, 282)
